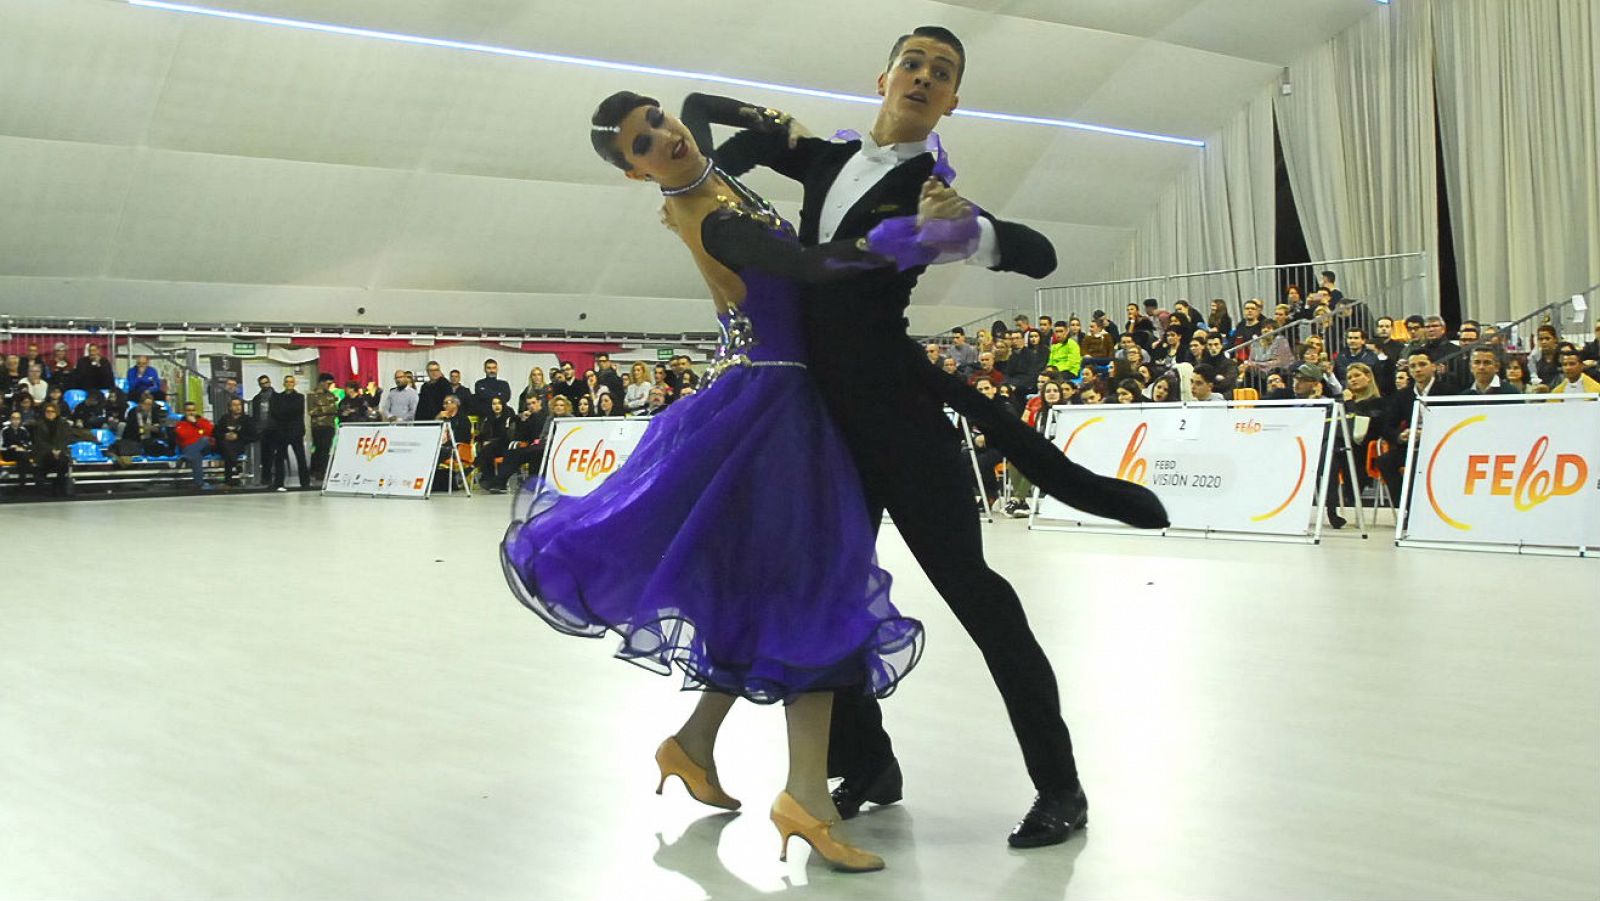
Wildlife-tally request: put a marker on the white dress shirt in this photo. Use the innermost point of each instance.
(868, 167)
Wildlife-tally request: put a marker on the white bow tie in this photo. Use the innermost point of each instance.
(894, 154)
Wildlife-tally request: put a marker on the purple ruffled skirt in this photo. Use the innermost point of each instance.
(734, 544)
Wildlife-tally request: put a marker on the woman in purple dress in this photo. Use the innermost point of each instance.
(749, 564)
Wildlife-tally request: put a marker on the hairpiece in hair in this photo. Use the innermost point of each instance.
(614, 129)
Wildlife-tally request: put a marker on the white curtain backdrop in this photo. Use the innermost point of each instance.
(1359, 141)
(1220, 214)
(1519, 95)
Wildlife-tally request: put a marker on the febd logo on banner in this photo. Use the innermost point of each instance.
(370, 447)
(389, 459)
(584, 454)
(1515, 474)
(575, 459)
(1205, 474)
(1527, 480)
(1216, 468)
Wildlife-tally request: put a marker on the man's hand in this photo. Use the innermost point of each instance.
(939, 201)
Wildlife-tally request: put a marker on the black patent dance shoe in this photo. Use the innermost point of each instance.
(1055, 815)
(885, 787)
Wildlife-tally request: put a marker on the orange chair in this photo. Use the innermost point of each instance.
(1376, 449)
(1246, 395)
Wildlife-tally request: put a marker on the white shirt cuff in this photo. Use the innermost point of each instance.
(988, 253)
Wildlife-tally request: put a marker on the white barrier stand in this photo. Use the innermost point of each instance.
(386, 459)
(584, 452)
(1510, 474)
(1252, 470)
(971, 447)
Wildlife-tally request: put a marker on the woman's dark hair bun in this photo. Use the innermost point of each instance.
(606, 123)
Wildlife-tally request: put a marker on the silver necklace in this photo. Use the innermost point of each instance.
(674, 192)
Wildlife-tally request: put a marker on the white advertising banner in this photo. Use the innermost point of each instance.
(585, 452)
(1218, 467)
(388, 459)
(1505, 475)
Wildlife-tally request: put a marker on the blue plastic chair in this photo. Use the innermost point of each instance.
(74, 397)
(86, 452)
(104, 437)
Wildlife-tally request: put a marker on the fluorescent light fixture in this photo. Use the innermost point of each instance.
(632, 67)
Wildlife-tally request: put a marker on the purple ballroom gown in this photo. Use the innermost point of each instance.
(734, 544)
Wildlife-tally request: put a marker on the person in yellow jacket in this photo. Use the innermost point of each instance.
(1065, 354)
(1573, 379)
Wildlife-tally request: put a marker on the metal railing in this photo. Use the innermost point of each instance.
(1520, 336)
(1392, 285)
(970, 328)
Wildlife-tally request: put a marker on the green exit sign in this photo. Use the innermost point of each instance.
(664, 353)
(244, 348)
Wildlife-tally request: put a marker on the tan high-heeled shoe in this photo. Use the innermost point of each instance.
(793, 819)
(674, 761)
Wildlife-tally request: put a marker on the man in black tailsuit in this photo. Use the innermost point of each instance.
(908, 453)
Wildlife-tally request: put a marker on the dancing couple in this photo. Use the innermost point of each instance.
(752, 508)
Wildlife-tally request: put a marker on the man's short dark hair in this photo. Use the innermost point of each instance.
(982, 380)
(958, 330)
(325, 377)
(1471, 322)
(1328, 274)
(1356, 330)
(1151, 303)
(938, 33)
(491, 360)
(1205, 371)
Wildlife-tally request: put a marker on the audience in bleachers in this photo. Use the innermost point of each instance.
(1315, 345)
(50, 405)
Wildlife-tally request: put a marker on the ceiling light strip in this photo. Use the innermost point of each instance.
(586, 62)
